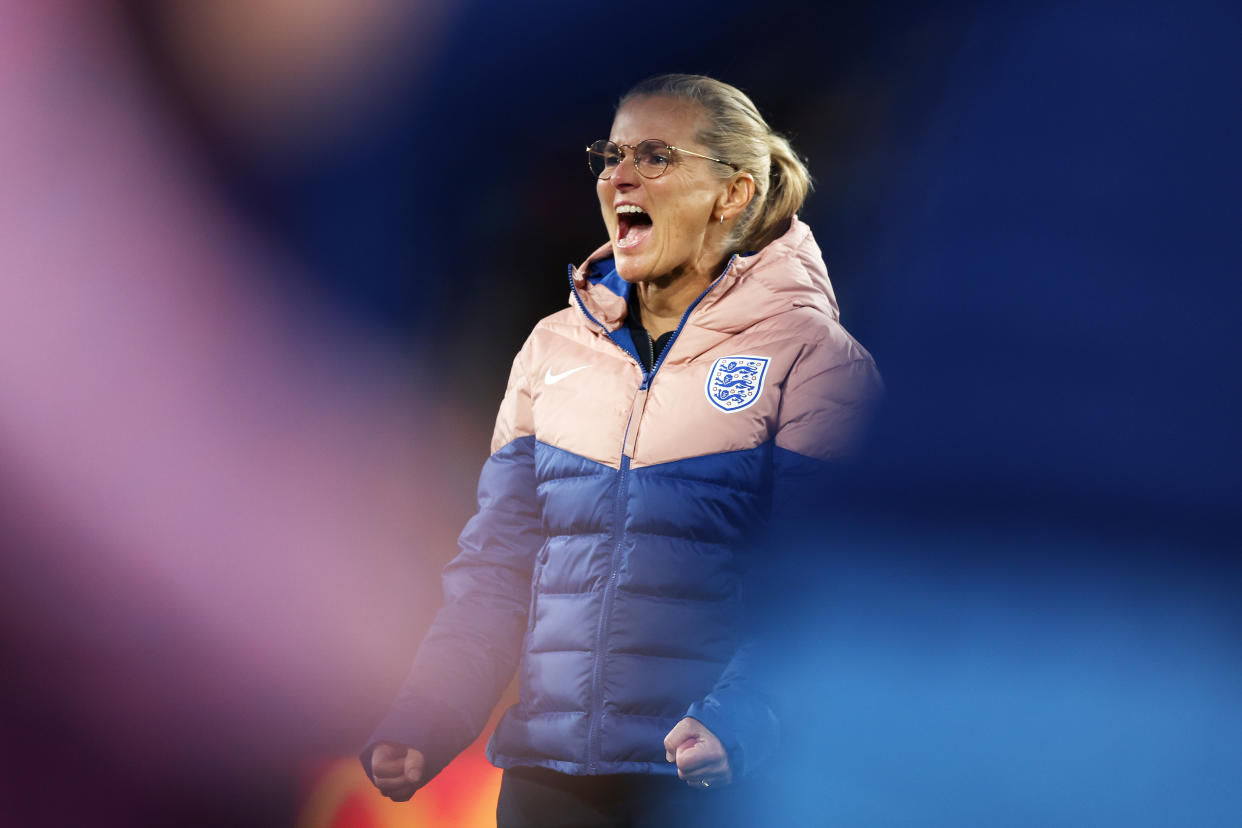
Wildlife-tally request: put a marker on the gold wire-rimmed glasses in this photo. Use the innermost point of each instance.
(652, 157)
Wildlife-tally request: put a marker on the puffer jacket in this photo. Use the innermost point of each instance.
(618, 517)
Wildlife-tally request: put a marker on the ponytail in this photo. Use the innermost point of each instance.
(789, 183)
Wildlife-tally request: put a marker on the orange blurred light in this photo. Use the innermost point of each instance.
(463, 795)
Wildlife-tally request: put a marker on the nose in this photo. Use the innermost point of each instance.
(625, 175)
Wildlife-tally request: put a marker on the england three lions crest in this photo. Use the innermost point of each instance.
(735, 382)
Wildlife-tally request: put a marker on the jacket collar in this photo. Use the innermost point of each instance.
(788, 273)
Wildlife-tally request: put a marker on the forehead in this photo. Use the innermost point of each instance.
(672, 121)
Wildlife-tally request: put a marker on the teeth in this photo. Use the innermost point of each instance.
(630, 208)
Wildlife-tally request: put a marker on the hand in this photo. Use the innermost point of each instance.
(397, 770)
(700, 757)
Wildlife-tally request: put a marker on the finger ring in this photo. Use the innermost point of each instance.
(703, 783)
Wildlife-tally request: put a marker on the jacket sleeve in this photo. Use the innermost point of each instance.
(825, 406)
(472, 648)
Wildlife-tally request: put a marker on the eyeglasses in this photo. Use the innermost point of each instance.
(652, 158)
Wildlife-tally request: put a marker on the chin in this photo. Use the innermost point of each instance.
(631, 271)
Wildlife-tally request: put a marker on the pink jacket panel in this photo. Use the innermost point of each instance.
(575, 389)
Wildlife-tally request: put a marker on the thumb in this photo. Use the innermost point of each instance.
(415, 764)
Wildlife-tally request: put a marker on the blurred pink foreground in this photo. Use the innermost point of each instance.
(222, 508)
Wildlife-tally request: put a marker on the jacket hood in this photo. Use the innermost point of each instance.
(788, 273)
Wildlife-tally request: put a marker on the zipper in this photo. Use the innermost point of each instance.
(607, 333)
(601, 633)
(676, 333)
(629, 441)
(597, 701)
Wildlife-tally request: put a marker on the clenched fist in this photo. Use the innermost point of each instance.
(700, 757)
(397, 770)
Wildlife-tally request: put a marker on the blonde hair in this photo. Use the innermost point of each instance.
(733, 129)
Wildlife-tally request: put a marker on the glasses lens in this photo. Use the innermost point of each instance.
(603, 157)
(653, 158)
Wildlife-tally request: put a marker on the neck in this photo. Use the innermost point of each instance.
(664, 300)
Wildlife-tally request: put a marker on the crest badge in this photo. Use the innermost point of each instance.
(735, 382)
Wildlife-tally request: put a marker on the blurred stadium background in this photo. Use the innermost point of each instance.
(263, 267)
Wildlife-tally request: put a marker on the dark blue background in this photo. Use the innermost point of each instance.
(1026, 610)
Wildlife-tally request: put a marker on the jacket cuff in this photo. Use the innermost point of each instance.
(417, 722)
(744, 724)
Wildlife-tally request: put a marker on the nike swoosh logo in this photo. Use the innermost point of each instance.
(550, 378)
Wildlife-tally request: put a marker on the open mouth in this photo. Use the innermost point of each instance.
(633, 225)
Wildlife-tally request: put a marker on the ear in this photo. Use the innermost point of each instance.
(738, 192)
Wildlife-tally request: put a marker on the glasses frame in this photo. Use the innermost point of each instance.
(634, 157)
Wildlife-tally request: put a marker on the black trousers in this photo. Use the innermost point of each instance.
(542, 798)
